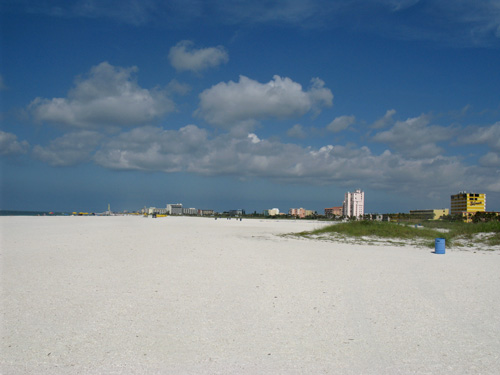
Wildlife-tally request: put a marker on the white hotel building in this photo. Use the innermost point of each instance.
(354, 204)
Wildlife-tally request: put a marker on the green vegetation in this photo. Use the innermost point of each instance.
(425, 234)
(494, 240)
(469, 231)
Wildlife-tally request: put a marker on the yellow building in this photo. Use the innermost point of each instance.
(429, 214)
(467, 204)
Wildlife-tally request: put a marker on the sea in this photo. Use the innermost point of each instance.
(32, 213)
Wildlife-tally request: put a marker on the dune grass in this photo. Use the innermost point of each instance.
(470, 230)
(426, 235)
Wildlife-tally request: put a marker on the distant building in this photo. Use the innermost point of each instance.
(378, 217)
(190, 211)
(156, 211)
(300, 212)
(467, 204)
(297, 212)
(333, 211)
(310, 213)
(174, 209)
(205, 212)
(239, 212)
(271, 212)
(429, 214)
(354, 204)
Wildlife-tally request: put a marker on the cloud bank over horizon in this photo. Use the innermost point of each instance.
(411, 160)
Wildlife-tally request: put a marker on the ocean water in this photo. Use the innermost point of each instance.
(31, 213)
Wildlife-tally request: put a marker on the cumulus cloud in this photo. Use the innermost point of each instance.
(340, 123)
(245, 155)
(488, 135)
(415, 138)
(108, 97)
(70, 149)
(385, 121)
(183, 56)
(491, 159)
(179, 88)
(9, 144)
(296, 131)
(191, 149)
(154, 149)
(228, 104)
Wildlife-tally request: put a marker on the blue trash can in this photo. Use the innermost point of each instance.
(440, 246)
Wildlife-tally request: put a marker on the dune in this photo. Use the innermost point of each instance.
(180, 295)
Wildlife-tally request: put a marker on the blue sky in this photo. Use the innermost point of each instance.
(248, 104)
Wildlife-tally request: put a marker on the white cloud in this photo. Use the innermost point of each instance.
(385, 121)
(491, 159)
(228, 104)
(154, 149)
(488, 135)
(9, 144)
(183, 56)
(415, 138)
(108, 97)
(340, 123)
(253, 137)
(296, 131)
(191, 149)
(179, 88)
(69, 149)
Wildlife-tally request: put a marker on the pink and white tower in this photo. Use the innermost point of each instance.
(354, 204)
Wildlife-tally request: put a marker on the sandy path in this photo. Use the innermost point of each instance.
(129, 295)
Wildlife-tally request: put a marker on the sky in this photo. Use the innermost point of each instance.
(248, 104)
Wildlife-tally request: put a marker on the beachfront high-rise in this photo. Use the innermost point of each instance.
(354, 204)
(467, 204)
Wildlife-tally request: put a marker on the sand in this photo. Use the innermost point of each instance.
(177, 295)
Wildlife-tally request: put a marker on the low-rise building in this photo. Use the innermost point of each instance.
(433, 214)
(190, 211)
(155, 211)
(271, 212)
(333, 211)
(238, 212)
(377, 217)
(174, 209)
(297, 212)
(206, 212)
(300, 212)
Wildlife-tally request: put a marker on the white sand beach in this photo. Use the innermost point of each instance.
(178, 295)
